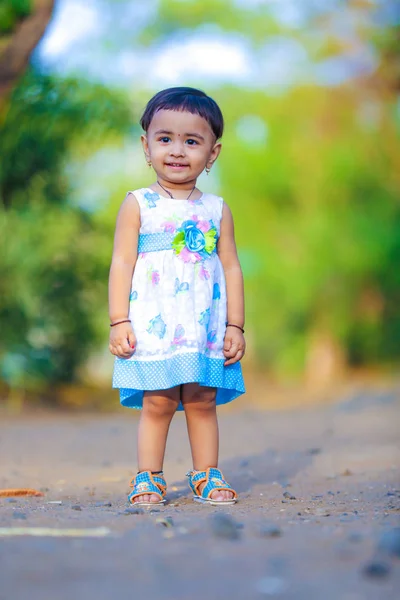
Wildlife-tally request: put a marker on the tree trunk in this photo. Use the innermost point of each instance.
(16, 51)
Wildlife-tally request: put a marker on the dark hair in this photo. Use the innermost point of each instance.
(185, 99)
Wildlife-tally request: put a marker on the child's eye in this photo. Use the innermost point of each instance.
(191, 142)
(165, 139)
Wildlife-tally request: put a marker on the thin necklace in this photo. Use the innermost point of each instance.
(169, 193)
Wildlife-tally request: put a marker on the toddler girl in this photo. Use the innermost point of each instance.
(176, 297)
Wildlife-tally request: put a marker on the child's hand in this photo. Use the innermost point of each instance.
(122, 340)
(234, 345)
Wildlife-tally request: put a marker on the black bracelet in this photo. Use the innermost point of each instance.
(119, 322)
(237, 326)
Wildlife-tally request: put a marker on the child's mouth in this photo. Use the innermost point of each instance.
(176, 166)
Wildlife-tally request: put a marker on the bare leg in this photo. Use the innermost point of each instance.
(202, 424)
(158, 409)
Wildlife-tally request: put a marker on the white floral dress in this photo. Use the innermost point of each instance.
(177, 302)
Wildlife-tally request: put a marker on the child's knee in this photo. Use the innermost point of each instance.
(199, 398)
(159, 406)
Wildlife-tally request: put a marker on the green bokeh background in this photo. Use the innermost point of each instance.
(309, 169)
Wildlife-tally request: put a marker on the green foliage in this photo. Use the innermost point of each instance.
(318, 224)
(176, 17)
(45, 119)
(12, 11)
(54, 268)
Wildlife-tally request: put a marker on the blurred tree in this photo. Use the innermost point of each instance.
(22, 24)
(53, 270)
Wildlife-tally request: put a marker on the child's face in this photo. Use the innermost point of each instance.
(179, 145)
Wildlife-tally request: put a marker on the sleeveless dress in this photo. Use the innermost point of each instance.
(177, 302)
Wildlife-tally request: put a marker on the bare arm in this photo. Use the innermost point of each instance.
(234, 346)
(122, 265)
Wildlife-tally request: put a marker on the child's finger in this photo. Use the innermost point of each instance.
(124, 343)
(239, 355)
(232, 350)
(227, 344)
(132, 340)
(122, 352)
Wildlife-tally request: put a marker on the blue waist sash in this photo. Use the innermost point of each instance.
(154, 242)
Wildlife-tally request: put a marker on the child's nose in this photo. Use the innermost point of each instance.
(177, 149)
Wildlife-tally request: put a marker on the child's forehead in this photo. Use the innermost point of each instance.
(179, 121)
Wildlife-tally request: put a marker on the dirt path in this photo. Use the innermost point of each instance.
(336, 539)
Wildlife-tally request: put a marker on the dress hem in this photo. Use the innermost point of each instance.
(132, 378)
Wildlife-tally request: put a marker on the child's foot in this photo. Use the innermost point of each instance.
(219, 495)
(209, 486)
(148, 488)
(146, 498)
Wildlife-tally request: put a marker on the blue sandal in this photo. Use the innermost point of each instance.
(147, 483)
(214, 481)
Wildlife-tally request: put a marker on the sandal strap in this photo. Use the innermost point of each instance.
(195, 479)
(214, 481)
(147, 483)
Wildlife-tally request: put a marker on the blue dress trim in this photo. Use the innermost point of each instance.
(133, 377)
(154, 242)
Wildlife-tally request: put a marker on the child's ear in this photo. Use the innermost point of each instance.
(145, 145)
(215, 152)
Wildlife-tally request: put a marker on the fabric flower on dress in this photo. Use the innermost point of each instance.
(198, 202)
(195, 240)
(133, 296)
(205, 317)
(151, 199)
(157, 327)
(216, 292)
(153, 275)
(178, 340)
(212, 339)
(181, 287)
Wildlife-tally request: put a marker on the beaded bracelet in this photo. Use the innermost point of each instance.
(237, 326)
(119, 322)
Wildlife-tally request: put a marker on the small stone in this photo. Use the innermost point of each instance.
(11, 500)
(153, 511)
(76, 507)
(314, 451)
(223, 526)
(19, 515)
(289, 496)
(390, 542)
(376, 569)
(322, 512)
(101, 504)
(330, 493)
(58, 502)
(347, 473)
(165, 521)
(270, 530)
(317, 497)
(131, 510)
